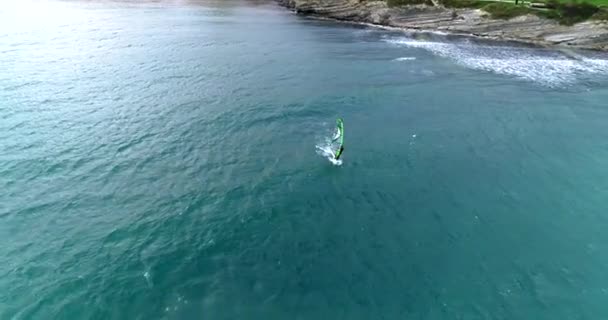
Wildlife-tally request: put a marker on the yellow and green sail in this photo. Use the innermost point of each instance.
(339, 136)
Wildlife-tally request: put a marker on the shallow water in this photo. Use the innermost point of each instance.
(158, 161)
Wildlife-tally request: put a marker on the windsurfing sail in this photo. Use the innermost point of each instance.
(339, 137)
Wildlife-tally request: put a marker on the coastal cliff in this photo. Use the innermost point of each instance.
(591, 34)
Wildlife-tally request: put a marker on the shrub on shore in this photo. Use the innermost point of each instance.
(602, 14)
(463, 3)
(396, 3)
(571, 12)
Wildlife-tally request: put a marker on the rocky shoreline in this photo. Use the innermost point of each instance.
(529, 28)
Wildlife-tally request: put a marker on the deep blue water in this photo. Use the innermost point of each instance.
(158, 160)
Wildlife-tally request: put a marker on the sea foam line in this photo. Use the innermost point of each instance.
(550, 68)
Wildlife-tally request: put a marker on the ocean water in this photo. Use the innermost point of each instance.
(159, 160)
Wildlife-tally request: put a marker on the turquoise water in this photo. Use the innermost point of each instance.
(159, 160)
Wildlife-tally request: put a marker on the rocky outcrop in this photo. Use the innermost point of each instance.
(529, 28)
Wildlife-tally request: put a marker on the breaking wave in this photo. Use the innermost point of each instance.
(548, 67)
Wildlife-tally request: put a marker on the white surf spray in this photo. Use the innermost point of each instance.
(548, 67)
(405, 59)
(326, 149)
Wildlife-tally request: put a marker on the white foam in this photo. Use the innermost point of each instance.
(405, 59)
(550, 68)
(326, 149)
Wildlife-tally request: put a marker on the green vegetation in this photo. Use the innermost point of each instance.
(571, 12)
(496, 10)
(464, 3)
(598, 3)
(602, 14)
(502, 10)
(565, 11)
